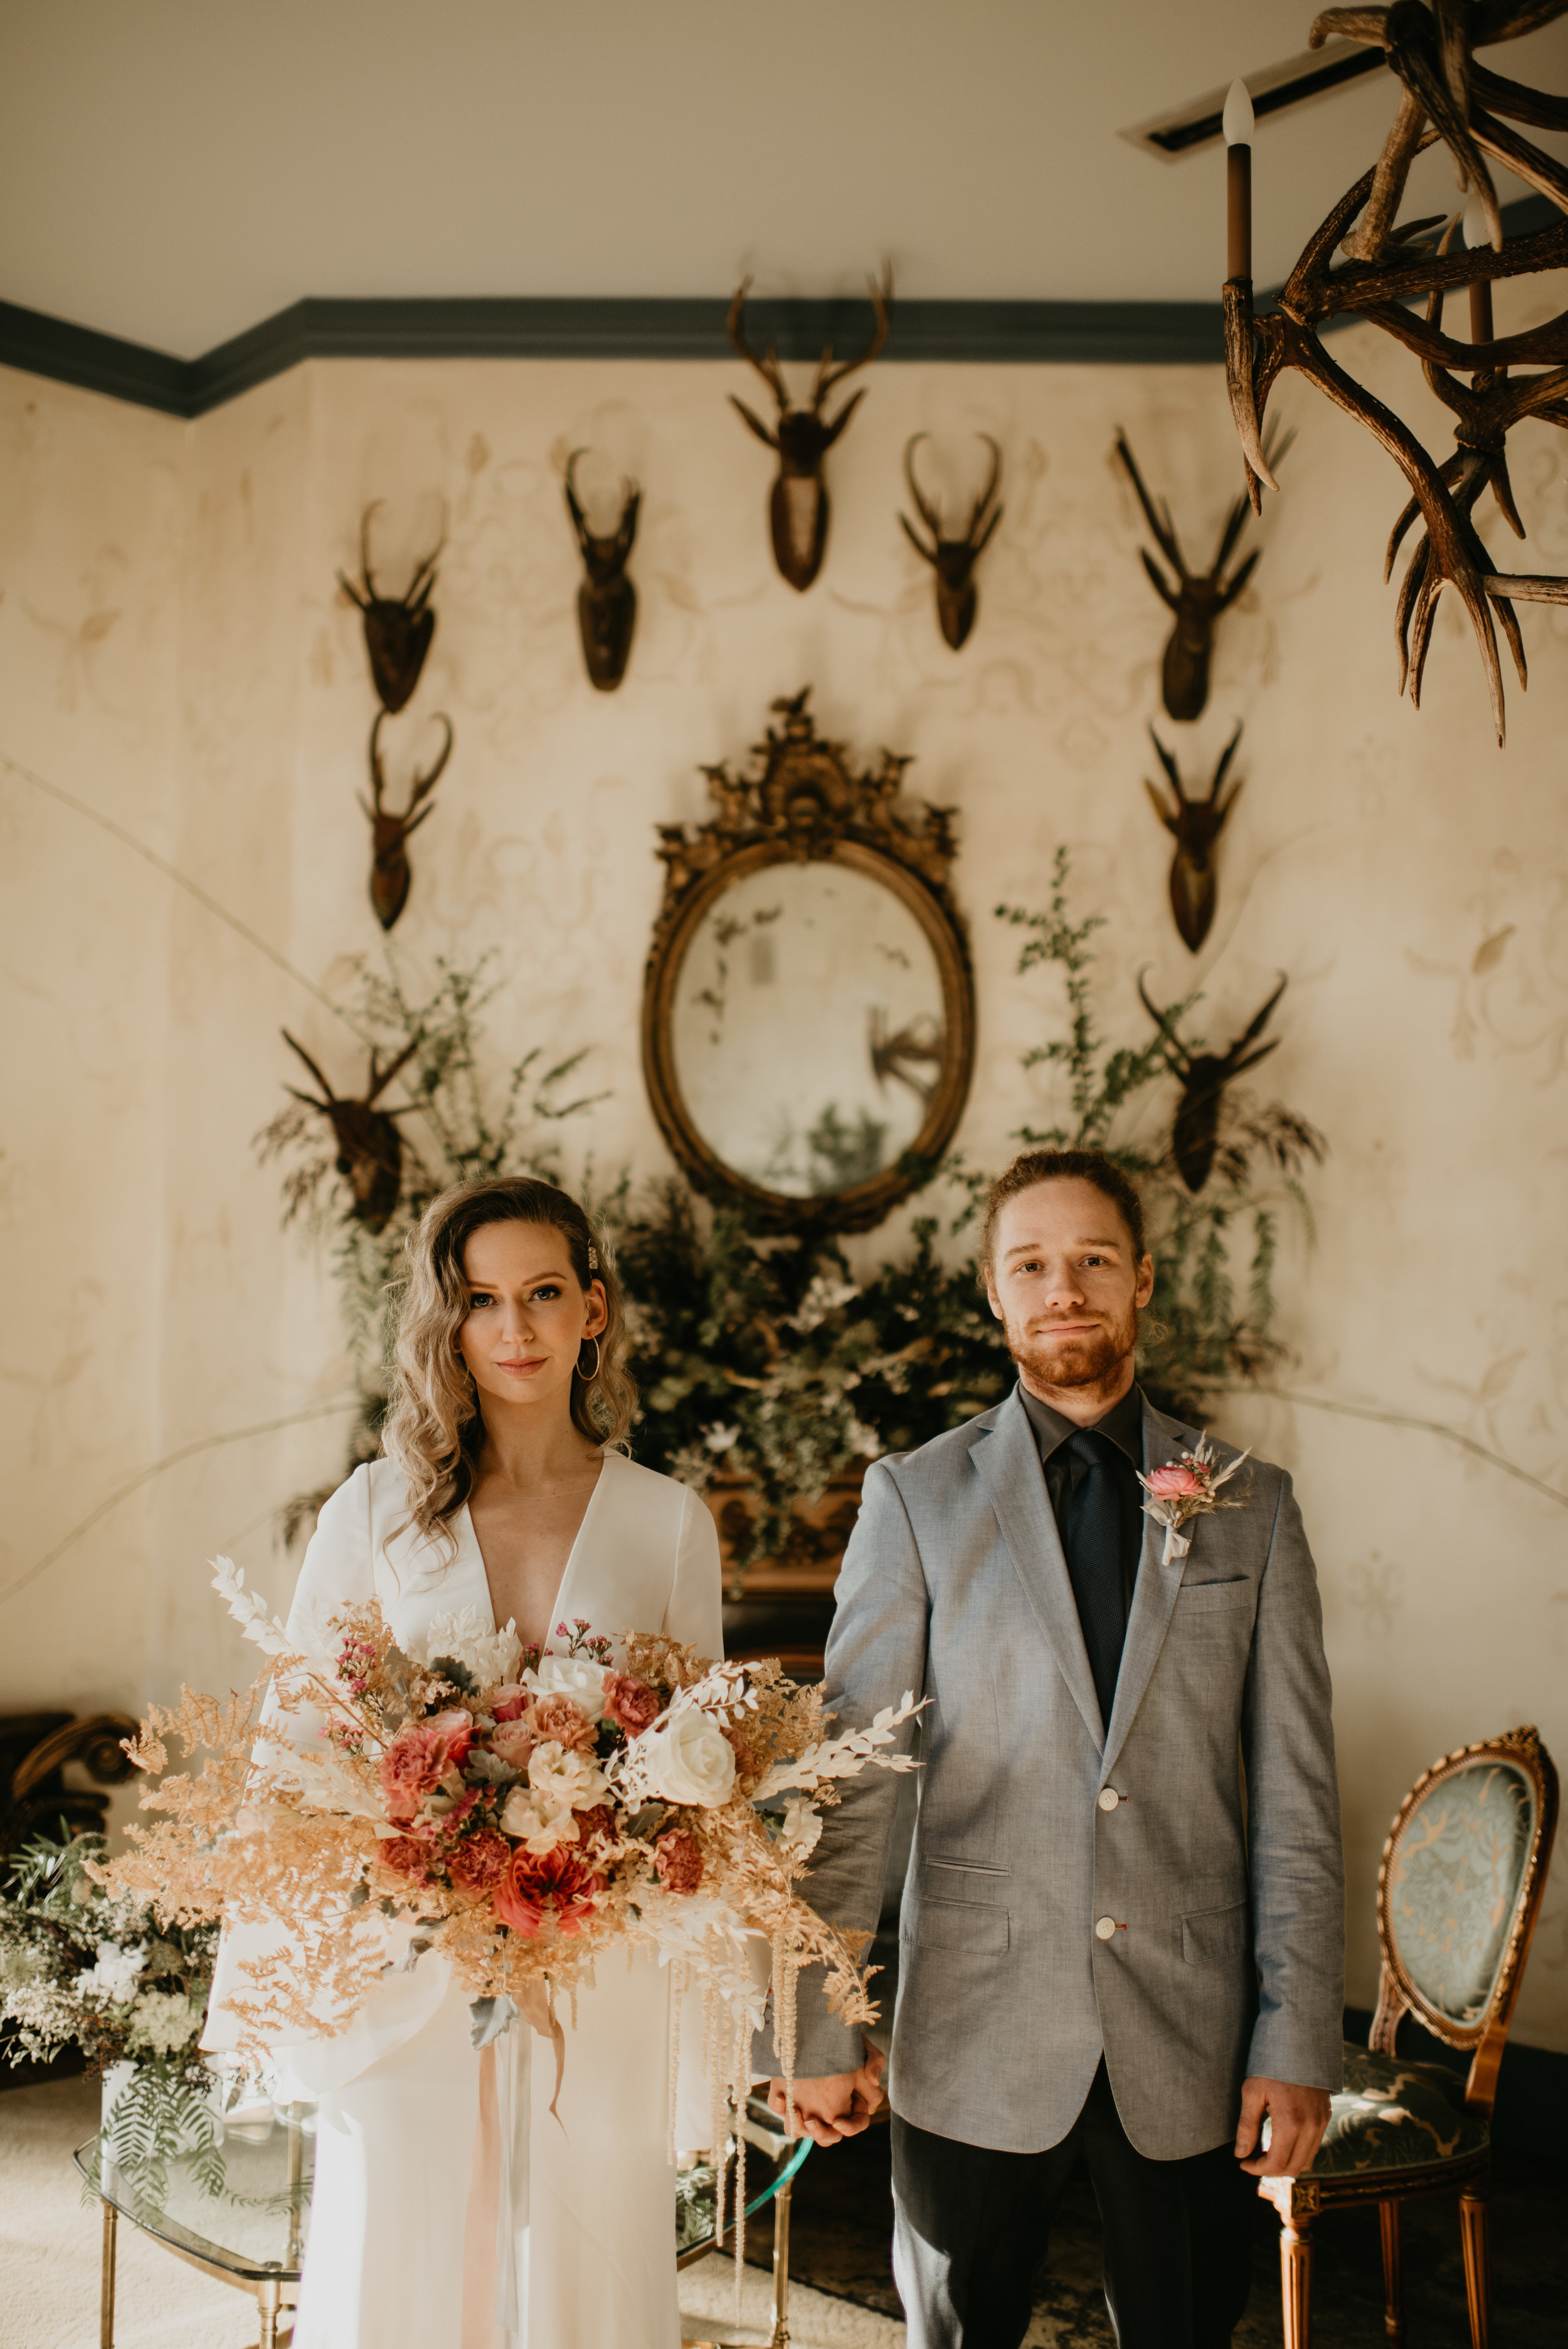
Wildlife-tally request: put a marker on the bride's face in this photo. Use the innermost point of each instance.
(527, 1315)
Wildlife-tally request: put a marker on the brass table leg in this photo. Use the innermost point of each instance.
(781, 2268)
(268, 2301)
(106, 2286)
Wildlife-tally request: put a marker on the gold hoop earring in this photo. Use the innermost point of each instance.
(588, 1376)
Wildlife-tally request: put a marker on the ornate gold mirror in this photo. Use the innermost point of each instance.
(808, 1014)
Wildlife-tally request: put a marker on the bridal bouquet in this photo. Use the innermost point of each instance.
(518, 1811)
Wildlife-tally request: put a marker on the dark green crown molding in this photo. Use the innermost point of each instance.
(1114, 334)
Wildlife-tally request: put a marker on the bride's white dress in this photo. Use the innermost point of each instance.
(420, 2238)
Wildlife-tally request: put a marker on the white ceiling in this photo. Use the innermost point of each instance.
(175, 170)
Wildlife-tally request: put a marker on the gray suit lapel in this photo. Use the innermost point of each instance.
(1007, 1463)
(1154, 1593)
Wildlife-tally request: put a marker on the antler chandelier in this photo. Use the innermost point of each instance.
(1446, 95)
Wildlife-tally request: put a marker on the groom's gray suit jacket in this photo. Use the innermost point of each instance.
(1192, 1931)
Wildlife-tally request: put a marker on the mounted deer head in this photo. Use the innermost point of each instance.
(369, 1146)
(1197, 598)
(1196, 825)
(953, 559)
(390, 877)
(398, 628)
(1196, 1132)
(798, 508)
(606, 601)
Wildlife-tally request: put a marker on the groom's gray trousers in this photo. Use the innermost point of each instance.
(1162, 1892)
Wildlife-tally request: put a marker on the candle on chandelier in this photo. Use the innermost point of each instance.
(1477, 232)
(1238, 128)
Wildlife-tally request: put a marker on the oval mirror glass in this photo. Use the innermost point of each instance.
(807, 1032)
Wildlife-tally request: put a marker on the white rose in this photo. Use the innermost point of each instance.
(528, 1821)
(565, 1781)
(574, 1676)
(689, 1760)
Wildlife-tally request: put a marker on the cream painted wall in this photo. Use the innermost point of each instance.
(174, 651)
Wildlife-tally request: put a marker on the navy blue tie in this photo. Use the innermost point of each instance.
(1091, 1532)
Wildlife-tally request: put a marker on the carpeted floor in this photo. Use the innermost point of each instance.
(843, 2225)
(842, 2296)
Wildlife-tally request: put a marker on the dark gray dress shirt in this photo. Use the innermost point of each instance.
(1099, 1605)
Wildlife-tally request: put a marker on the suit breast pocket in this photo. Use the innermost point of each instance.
(961, 1925)
(1215, 1933)
(1204, 1599)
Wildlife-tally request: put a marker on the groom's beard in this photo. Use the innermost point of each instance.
(1051, 1362)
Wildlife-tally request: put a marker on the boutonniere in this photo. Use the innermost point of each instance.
(1188, 1487)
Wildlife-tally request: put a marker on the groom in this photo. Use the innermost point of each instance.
(1123, 1932)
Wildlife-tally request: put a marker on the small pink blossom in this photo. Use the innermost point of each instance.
(507, 1701)
(1176, 1481)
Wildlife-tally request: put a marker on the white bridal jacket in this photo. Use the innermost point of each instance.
(450, 2209)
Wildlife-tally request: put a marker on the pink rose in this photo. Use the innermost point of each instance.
(1176, 1482)
(512, 1742)
(558, 1883)
(420, 1756)
(508, 1701)
(562, 1719)
(631, 1702)
(479, 1861)
(678, 1860)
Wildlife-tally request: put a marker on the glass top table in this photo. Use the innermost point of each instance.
(251, 2233)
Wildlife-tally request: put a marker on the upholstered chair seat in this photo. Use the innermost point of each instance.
(1395, 2115)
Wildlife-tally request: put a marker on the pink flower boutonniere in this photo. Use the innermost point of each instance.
(1188, 1487)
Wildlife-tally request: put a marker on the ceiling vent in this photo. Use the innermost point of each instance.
(1278, 87)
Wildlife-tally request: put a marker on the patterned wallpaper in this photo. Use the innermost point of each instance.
(175, 653)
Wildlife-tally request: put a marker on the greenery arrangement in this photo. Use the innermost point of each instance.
(762, 1359)
(82, 1967)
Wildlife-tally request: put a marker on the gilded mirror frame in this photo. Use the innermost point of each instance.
(805, 805)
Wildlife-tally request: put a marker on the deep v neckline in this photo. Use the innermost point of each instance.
(564, 1587)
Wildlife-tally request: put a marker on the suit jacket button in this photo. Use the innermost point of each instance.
(1107, 1798)
(1104, 1928)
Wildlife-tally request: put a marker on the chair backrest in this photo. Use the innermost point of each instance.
(1459, 1892)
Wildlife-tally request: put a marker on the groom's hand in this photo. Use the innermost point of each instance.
(1297, 2118)
(834, 2108)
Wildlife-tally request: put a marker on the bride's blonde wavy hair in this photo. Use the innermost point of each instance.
(434, 1431)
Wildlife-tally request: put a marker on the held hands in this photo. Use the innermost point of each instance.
(841, 2105)
(1297, 2118)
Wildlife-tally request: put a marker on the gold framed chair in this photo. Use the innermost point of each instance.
(1459, 1891)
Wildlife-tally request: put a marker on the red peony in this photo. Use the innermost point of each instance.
(678, 1860)
(631, 1702)
(420, 1756)
(560, 1718)
(559, 1883)
(479, 1861)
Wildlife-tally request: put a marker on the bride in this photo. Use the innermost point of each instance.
(450, 2209)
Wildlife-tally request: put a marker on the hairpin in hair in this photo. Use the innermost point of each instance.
(593, 1257)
